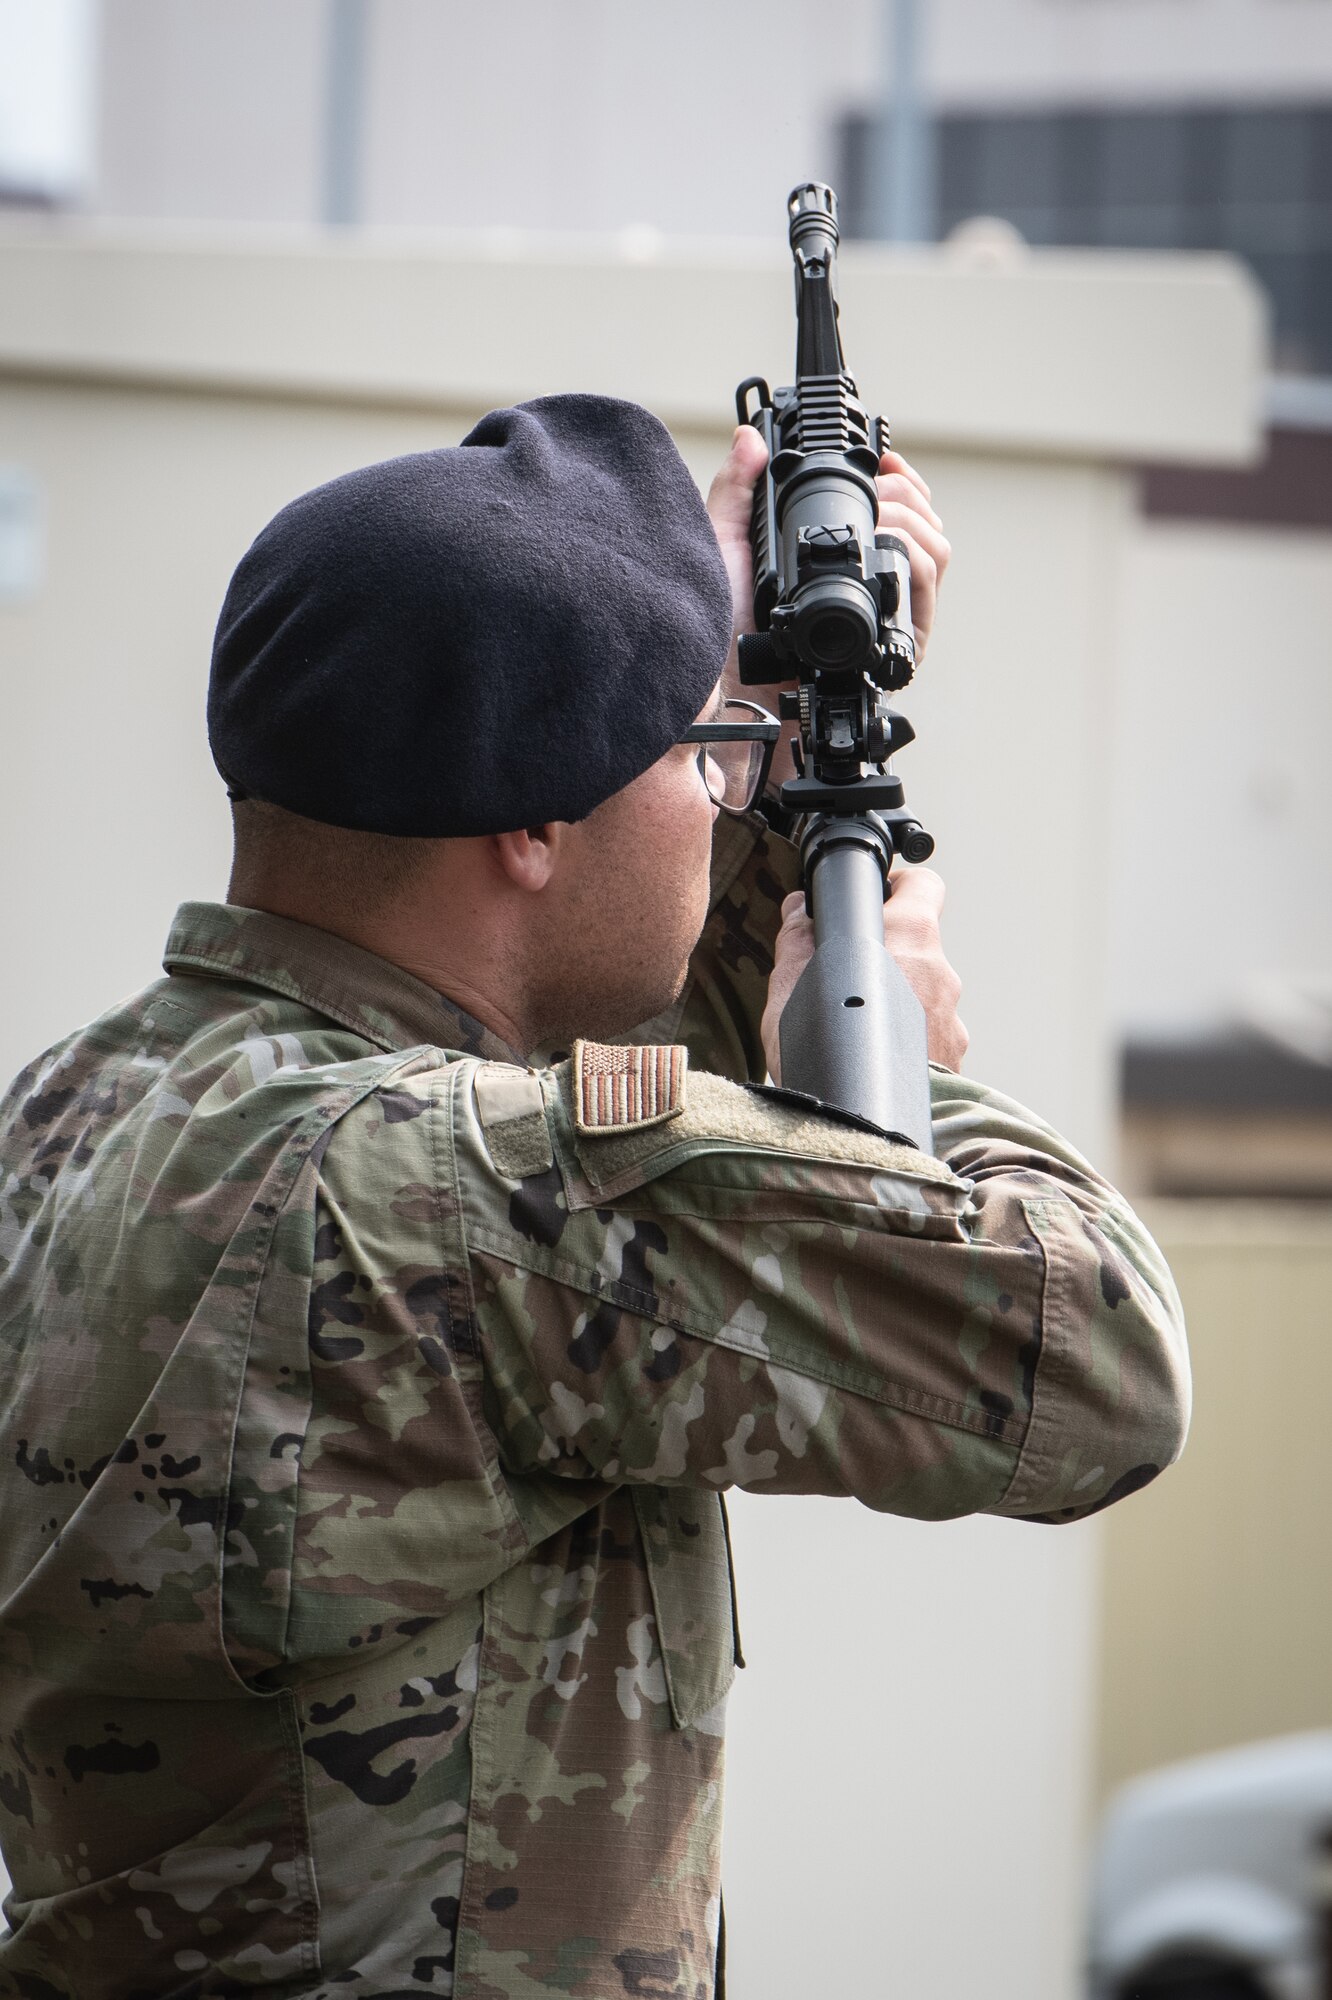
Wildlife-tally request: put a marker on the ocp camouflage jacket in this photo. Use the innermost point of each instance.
(367, 1403)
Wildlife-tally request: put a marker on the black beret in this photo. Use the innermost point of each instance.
(478, 639)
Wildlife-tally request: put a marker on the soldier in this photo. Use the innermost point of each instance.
(370, 1387)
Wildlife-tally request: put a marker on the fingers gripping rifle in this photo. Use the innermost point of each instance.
(832, 604)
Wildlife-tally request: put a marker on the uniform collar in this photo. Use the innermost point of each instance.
(366, 994)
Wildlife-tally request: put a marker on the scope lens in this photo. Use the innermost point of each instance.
(835, 638)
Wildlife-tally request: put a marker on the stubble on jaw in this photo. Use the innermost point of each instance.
(602, 998)
(618, 951)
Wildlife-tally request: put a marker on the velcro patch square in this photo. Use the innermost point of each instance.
(619, 1088)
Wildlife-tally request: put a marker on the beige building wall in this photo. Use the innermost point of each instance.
(212, 112)
(913, 1737)
(1216, 1617)
(166, 396)
(693, 119)
(1221, 812)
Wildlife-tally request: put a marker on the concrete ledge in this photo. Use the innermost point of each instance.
(1099, 355)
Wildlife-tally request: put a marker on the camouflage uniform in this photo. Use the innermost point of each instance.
(368, 1400)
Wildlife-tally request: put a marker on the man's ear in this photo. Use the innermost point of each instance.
(528, 858)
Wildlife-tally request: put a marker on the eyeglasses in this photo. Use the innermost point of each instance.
(735, 753)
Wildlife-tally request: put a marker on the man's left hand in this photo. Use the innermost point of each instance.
(910, 933)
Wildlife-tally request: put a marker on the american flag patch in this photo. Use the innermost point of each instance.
(618, 1088)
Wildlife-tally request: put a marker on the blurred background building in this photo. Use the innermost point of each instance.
(246, 246)
(1079, 123)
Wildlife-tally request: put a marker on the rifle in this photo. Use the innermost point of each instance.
(832, 604)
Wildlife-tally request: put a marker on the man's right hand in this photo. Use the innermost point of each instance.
(911, 933)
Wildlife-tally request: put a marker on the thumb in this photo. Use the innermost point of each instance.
(731, 495)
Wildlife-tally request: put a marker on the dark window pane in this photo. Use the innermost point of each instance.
(1319, 187)
(1268, 155)
(1073, 228)
(1206, 136)
(1136, 226)
(1018, 164)
(1256, 180)
(1076, 139)
(1280, 227)
(960, 154)
(1038, 225)
(1142, 159)
(1317, 328)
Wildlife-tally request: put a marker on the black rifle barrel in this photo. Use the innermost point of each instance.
(814, 238)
